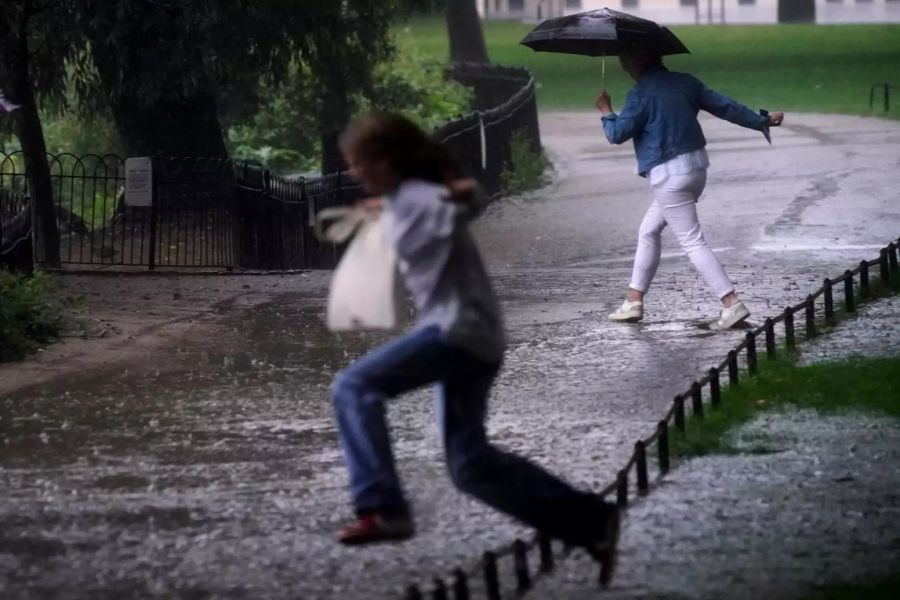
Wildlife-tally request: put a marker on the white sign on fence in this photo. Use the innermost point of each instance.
(138, 181)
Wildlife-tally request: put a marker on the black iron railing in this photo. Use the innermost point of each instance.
(219, 213)
(702, 395)
(15, 230)
(885, 95)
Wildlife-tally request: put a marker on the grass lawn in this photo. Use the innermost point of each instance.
(871, 384)
(805, 68)
(881, 590)
(865, 384)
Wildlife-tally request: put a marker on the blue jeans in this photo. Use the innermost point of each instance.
(500, 479)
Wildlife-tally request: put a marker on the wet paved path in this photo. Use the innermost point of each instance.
(210, 467)
(820, 507)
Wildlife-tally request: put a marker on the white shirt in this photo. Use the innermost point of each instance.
(680, 165)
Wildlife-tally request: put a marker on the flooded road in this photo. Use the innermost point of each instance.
(208, 467)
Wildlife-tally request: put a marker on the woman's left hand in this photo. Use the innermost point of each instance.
(604, 103)
(462, 190)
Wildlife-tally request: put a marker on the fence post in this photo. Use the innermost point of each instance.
(751, 353)
(883, 265)
(789, 339)
(154, 202)
(440, 590)
(662, 446)
(491, 580)
(733, 377)
(810, 317)
(696, 400)
(829, 302)
(520, 560)
(545, 548)
(412, 593)
(770, 338)
(640, 452)
(715, 392)
(679, 412)
(892, 256)
(482, 140)
(622, 489)
(864, 279)
(460, 585)
(849, 304)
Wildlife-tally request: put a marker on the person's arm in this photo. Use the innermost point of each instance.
(468, 198)
(732, 111)
(421, 226)
(621, 127)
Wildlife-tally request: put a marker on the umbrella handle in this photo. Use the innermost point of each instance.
(603, 72)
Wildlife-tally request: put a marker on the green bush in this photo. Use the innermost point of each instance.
(28, 314)
(527, 169)
(283, 134)
(418, 87)
(79, 134)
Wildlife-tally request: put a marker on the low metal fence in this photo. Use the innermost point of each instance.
(483, 140)
(885, 95)
(633, 480)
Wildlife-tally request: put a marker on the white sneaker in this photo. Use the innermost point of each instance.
(731, 316)
(629, 312)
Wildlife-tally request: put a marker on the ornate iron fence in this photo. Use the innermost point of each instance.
(15, 220)
(215, 213)
(633, 480)
(15, 231)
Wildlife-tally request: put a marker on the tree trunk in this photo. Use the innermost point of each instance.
(174, 123)
(464, 29)
(31, 137)
(332, 160)
(184, 127)
(335, 108)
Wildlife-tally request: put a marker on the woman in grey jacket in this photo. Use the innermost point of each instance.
(660, 115)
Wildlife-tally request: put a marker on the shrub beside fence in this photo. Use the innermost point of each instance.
(224, 214)
(634, 480)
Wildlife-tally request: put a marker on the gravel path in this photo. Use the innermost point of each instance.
(821, 508)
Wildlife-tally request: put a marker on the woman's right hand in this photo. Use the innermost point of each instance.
(604, 103)
(776, 119)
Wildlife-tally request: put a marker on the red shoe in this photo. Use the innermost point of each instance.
(374, 528)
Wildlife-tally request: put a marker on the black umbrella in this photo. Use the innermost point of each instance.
(601, 32)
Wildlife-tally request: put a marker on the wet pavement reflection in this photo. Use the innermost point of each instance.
(210, 468)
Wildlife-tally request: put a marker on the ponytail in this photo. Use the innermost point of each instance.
(409, 152)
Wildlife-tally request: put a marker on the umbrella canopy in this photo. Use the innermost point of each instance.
(601, 32)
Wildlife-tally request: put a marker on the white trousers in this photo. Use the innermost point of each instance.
(675, 204)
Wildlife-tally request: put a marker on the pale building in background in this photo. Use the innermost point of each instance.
(706, 11)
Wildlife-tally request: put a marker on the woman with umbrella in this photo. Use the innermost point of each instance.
(660, 115)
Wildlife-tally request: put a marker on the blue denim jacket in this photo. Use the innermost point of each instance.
(660, 113)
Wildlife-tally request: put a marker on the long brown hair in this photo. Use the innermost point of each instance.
(408, 150)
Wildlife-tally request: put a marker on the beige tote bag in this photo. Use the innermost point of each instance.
(364, 294)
